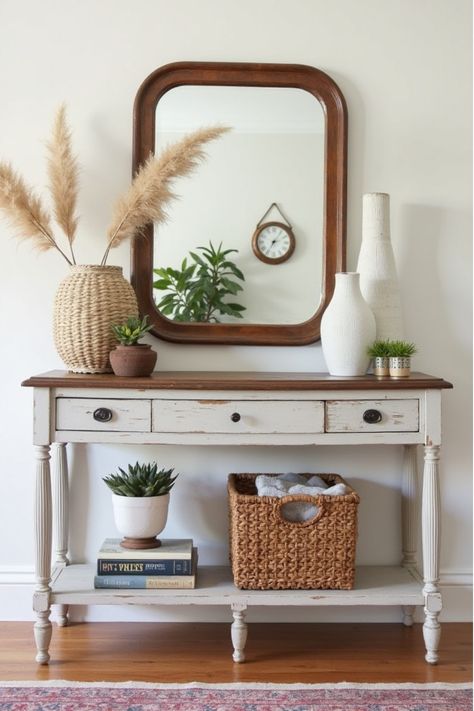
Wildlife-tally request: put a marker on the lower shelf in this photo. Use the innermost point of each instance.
(375, 585)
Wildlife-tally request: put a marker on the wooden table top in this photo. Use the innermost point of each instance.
(244, 380)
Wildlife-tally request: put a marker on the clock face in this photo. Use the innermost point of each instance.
(273, 242)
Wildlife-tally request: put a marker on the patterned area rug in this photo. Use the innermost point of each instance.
(131, 696)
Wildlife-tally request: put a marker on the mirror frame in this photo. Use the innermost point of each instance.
(333, 104)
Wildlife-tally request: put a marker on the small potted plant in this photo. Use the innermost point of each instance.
(130, 358)
(400, 353)
(140, 499)
(379, 352)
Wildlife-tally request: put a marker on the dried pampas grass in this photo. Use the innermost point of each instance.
(63, 176)
(150, 191)
(25, 211)
(145, 201)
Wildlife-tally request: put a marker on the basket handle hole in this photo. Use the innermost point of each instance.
(298, 511)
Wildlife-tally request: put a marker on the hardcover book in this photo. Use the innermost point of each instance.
(149, 582)
(170, 549)
(111, 566)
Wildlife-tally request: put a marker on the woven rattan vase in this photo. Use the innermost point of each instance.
(87, 303)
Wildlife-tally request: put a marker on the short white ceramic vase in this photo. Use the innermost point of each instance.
(376, 266)
(347, 328)
(140, 519)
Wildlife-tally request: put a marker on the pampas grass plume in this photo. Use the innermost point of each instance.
(150, 192)
(25, 211)
(63, 176)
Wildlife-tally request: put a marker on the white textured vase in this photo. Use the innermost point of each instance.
(347, 328)
(377, 269)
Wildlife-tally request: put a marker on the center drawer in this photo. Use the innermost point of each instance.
(239, 416)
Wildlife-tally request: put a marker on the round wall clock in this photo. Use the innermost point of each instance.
(273, 242)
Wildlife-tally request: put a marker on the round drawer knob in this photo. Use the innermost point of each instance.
(372, 417)
(102, 414)
(235, 417)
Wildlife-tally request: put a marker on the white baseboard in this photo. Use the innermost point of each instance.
(17, 584)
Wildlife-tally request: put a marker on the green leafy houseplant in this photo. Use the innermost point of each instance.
(141, 480)
(129, 333)
(199, 290)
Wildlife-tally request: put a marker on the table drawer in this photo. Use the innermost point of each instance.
(103, 415)
(238, 416)
(372, 416)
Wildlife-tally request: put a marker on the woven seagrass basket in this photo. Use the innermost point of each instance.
(87, 303)
(270, 553)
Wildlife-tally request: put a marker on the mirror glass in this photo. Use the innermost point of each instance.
(274, 153)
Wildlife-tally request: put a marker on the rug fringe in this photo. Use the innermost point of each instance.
(235, 685)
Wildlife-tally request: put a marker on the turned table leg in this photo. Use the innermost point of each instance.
(61, 518)
(431, 535)
(41, 599)
(238, 631)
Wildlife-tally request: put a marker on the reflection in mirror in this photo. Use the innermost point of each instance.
(273, 154)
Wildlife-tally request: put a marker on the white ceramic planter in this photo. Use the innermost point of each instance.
(140, 518)
(347, 328)
(377, 269)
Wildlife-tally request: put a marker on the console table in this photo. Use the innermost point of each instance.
(201, 408)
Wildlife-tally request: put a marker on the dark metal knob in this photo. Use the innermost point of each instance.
(235, 417)
(372, 417)
(102, 414)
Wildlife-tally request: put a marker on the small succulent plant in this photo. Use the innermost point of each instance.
(129, 333)
(401, 349)
(141, 480)
(379, 349)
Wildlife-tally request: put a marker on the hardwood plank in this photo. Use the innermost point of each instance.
(201, 380)
(284, 653)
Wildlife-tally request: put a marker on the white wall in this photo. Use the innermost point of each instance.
(404, 68)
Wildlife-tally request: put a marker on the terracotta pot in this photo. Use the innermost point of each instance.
(133, 361)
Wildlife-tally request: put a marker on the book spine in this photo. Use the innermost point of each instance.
(143, 567)
(144, 582)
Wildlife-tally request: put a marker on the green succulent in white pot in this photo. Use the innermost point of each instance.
(140, 500)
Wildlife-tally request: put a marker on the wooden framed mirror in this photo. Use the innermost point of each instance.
(288, 147)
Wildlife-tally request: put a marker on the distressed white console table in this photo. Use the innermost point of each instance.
(238, 409)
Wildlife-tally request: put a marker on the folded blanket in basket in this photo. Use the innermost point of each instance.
(292, 483)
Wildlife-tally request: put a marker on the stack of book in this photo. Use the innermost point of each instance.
(171, 565)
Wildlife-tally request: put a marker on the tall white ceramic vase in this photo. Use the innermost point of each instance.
(347, 328)
(376, 266)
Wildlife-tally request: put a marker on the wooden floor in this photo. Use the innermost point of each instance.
(284, 653)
